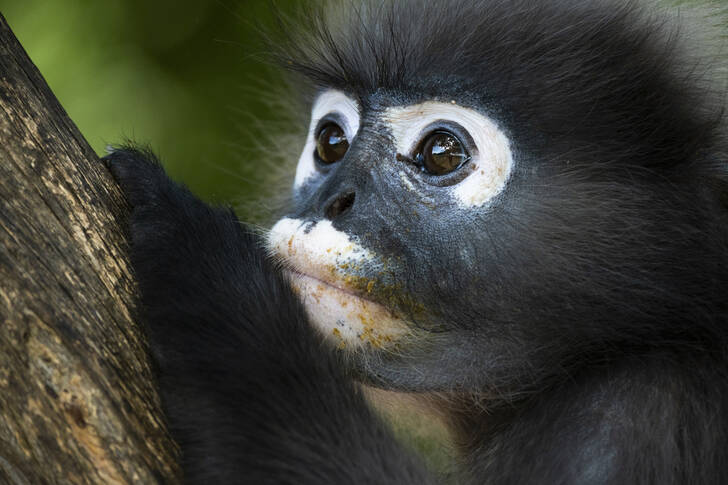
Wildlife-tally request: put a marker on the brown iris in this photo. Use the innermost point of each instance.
(441, 153)
(331, 143)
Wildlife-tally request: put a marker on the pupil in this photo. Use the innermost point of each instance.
(442, 154)
(331, 143)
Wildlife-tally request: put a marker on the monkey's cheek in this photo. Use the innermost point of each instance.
(347, 319)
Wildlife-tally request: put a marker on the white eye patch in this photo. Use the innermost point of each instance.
(334, 103)
(491, 161)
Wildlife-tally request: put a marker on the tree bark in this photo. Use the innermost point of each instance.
(77, 397)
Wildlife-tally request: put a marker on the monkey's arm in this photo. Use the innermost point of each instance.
(251, 392)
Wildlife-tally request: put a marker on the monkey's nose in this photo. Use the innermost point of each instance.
(340, 205)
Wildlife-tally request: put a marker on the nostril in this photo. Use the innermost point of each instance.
(339, 206)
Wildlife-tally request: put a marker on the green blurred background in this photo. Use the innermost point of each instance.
(186, 77)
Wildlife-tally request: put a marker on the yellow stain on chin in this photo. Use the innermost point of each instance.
(345, 317)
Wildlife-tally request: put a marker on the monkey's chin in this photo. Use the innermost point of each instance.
(351, 321)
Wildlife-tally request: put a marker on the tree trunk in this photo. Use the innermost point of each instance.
(77, 396)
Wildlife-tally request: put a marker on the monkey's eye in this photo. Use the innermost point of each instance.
(331, 143)
(440, 153)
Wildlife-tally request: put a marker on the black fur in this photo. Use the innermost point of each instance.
(578, 326)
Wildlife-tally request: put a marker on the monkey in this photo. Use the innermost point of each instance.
(519, 206)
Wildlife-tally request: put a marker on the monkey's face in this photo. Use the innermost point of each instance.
(386, 241)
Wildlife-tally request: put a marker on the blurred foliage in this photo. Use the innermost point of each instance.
(183, 76)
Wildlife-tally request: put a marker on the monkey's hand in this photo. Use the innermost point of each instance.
(251, 392)
(201, 272)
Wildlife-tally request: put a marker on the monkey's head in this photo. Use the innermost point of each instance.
(491, 193)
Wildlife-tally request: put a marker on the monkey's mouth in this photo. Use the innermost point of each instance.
(345, 315)
(323, 264)
(295, 273)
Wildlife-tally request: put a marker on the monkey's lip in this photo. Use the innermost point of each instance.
(344, 315)
(294, 273)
